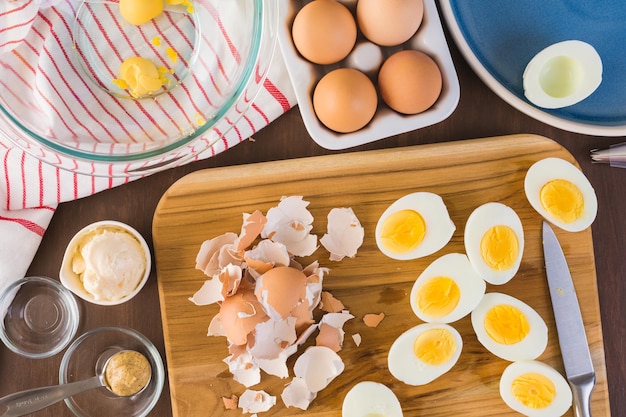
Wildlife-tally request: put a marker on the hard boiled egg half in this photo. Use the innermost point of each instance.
(414, 226)
(509, 328)
(370, 399)
(447, 290)
(562, 74)
(561, 193)
(424, 353)
(535, 389)
(494, 242)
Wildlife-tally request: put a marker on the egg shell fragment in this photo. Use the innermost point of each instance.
(563, 395)
(478, 223)
(344, 234)
(529, 348)
(280, 290)
(547, 169)
(297, 394)
(256, 401)
(457, 267)
(289, 223)
(318, 366)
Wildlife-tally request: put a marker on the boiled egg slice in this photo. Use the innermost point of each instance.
(424, 353)
(535, 389)
(414, 226)
(494, 242)
(561, 193)
(562, 74)
(369, 399)
(509, 328)
(447, 290)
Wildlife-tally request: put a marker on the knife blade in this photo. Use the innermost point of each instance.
(569, 324)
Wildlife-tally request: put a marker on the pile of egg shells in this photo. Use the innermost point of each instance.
(363, 57)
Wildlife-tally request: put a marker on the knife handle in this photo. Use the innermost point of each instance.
(581, 391)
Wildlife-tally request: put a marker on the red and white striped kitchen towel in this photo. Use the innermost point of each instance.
(31, 190)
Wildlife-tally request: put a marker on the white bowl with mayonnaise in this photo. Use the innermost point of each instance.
(106, 263)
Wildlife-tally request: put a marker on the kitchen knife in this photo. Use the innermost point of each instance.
(569, 324)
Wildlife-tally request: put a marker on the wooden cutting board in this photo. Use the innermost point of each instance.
(466, 174)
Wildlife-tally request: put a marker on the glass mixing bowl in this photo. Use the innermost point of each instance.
(60, 103)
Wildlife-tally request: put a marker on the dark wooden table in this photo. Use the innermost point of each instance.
(480, 113)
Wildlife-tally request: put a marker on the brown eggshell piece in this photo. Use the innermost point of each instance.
(281, 288)
(239, 314)
(373, 320)
(330, 304)
(330, 337)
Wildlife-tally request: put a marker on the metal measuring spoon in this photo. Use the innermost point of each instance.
(110, 375)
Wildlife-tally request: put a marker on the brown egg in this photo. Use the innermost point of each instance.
(410, 81)
(345, 100)
(389, 22)
(324, 31)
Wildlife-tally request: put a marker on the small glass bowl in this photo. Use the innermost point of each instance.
(73, 282)
(81, 360)
(39, 317)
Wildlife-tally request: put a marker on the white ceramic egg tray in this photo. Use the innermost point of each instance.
(304, 76)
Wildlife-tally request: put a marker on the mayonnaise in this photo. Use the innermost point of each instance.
(110, 263)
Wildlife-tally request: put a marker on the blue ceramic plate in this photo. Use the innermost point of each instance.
(498, 38)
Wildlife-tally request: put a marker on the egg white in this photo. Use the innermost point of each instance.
(562, 400)
(528, 348)
(368, 398)
(562, 74)
(549, 169)
(408, 368)
(478, 223)
(439, 226)
(457, 267)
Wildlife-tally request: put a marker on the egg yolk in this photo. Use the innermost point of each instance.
(138, 12)
(438, 296)
(434, 346)
(403, 231)
(562, 200)
(533, 390)
(499, 248)
(140, 76)
(506, 324)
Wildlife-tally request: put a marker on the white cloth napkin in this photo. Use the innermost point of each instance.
(31, 190)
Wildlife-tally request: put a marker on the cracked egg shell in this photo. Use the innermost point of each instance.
(239, 314)
(318, 366)
(280, 290)
(345, 234)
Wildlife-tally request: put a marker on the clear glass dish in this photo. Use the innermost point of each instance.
(81, 358)
(40, 317)
(60, 103)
